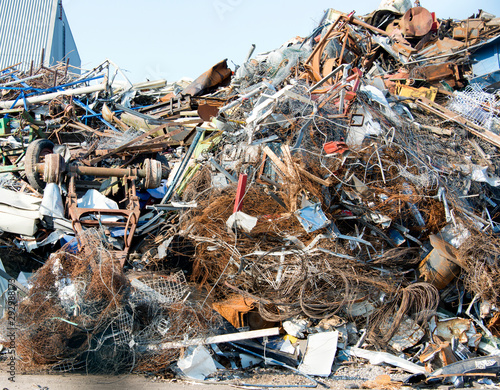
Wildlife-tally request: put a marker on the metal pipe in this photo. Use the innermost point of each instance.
(102, 172)
(150, 224)
(241, 98)
(449, 54)
(250, 52)
(51, 96)
(22, 80)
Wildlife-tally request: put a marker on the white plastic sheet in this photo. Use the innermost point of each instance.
(197, 363)
(95, 200)
(52, 203)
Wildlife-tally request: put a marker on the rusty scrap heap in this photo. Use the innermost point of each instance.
(341, 189)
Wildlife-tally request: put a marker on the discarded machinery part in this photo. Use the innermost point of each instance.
(131, 215)
(417, 22)
(153, 170)
(53, 167)
(441, 265)
(153, 174)
(481, 366)
(351, 19)
(35, 152)
(216, 75)
(269, 360)
(148, 226)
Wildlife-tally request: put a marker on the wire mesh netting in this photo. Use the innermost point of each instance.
(83, 313)
(477, 106)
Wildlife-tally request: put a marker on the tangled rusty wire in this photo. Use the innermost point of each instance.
(83, 313)
(481, 259)
(287, 280)
(418, 301)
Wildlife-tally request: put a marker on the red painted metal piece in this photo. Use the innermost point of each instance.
(240, 193)
(335, 147)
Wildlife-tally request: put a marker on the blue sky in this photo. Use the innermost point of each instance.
(170, 39)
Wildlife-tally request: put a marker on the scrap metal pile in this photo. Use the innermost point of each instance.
(341, 189)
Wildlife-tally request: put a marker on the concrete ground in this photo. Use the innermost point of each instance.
(95, 382)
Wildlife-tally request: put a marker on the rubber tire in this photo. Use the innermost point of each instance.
(35, 151)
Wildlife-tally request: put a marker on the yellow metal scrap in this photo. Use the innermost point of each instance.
(411, 92)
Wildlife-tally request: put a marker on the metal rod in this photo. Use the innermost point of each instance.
(241, 98)
(222, 170)
(83, 105)
(98, 171)
(21, 80)
(325, 79)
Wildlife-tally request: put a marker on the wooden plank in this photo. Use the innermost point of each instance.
(276, 160)
(287, 156)
(306, 173)
(471, 127)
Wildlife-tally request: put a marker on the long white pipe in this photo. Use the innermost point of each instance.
(53, 95)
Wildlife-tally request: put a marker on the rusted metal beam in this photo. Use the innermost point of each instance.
(353, 20)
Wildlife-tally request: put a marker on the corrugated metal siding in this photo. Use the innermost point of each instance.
(64, 45)
(25, 30)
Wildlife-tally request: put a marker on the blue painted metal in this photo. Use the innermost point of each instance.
(21, 95)
(74, 83)
(38, 91)
(88, 109)
(17, 78)
(312, 218)
(486, 64)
